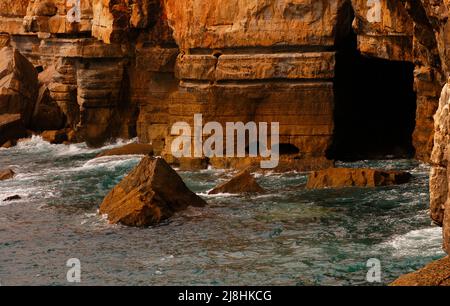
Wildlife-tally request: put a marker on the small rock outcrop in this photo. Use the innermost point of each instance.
(151, 193)
(6, 174)
(349, 177)
(55, 137)
(243, 182)
(436, 273)
(129, 149)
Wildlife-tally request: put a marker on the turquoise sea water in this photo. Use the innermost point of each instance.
(290, 236)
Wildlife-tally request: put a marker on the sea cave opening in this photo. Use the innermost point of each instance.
(375, 106)
(288, 149)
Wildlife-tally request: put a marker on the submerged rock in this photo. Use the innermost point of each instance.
(12, 198)
(349, 177)
(436, 273)
(129, 149)
(243, 182)
(6, 174)
(152, 192)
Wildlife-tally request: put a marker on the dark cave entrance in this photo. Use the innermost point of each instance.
(288, 149)
(375, 106)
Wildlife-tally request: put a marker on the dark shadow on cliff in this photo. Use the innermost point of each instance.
(375, 106)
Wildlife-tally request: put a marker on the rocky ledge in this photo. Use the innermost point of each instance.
(436, 273)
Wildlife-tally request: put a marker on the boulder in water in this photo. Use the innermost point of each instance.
(47, 114)
(243, 182)
(349, 177)
(152, 192)
(55, 137)
(6, 174)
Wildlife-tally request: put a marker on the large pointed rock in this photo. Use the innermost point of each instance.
(243, 182)
(152, 192)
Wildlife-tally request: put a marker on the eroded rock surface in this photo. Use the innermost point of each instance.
(47, 114)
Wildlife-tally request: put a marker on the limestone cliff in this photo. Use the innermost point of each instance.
(433, 17)
(439, 183)
(130, 68)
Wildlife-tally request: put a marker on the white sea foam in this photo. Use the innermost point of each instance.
(108, 163)
(26, 192)
(423, 242)
(165, 258)
(219, 195)
(32, 182)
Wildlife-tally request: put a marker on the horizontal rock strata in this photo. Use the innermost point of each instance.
(132, 68)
